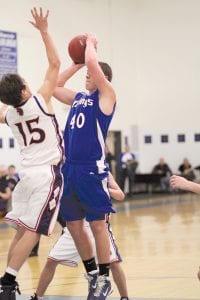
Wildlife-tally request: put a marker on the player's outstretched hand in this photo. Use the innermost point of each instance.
(77, 66)
(92, 38)
(178, 182)
(40, 19)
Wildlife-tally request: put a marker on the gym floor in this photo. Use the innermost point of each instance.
(158, 238)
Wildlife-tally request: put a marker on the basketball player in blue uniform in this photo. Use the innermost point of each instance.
(85, 172)
(64, 252)
(36, 197)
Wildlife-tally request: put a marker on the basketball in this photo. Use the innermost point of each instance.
(76, 49)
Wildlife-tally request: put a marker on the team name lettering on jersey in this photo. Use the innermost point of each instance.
(83, 102)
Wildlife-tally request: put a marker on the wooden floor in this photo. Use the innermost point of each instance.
(159, 239)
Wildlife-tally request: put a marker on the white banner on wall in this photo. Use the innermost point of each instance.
(8, 52)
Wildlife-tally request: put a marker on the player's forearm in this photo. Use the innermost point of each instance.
(193, 187)
(90, 54)
(67, 74)
(51, 51)
(116, 194)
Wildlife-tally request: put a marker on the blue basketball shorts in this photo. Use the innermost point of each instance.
(85, 193)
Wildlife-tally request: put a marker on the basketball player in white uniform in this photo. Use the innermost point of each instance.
(65, 253)
(34, 126)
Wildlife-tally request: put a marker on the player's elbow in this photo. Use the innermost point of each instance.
(55, 64)
(120, 196)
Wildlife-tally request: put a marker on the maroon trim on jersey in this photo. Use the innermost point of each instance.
(55, 123)
(6, 121)
(41, 108)
(21, 104)
(59, 137)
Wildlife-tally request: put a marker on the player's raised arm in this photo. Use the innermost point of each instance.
(107, 93)
(62, 93)
(41, 23)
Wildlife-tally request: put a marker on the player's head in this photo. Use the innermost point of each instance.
(127, 148)
(106, 70)
(12, 88)
(90, 83)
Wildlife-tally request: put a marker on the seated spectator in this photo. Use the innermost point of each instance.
(12, 177)
(5, 192)
(128, 166)
(186, 170)
(163, 169)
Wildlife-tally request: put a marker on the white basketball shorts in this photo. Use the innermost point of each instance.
(36, 199)
(65, 252)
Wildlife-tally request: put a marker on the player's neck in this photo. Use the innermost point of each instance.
(90, 92)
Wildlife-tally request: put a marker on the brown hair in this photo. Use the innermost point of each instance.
(11, 86)
(106, 70)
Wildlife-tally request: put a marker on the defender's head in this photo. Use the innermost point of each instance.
(11, 89)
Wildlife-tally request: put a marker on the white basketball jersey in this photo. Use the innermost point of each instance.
(37, 132)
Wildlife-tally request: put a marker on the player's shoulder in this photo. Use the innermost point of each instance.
(32, 100)
(39, 100)
(80, 95)
(38, 97)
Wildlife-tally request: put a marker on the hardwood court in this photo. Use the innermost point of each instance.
(160, 243)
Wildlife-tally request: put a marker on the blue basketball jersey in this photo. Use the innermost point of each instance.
(86, 130)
